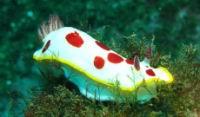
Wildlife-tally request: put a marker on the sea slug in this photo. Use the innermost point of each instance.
(98, 72)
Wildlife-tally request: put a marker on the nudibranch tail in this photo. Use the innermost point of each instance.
(164, 74)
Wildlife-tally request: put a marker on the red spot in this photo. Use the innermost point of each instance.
(102, 45)
(46, 46)
(74, 39)
(99, 62)
(130, 61)
(150, 72)
(114, 58)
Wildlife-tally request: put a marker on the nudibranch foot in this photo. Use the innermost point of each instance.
(99, 92)
(87, 87)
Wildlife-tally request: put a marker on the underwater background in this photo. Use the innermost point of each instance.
(125, 26)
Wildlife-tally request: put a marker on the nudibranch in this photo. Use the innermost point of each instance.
(99, 72)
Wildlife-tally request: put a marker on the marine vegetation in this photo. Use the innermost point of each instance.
(180, 98)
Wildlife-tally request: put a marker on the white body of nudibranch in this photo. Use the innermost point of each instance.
(96, 70)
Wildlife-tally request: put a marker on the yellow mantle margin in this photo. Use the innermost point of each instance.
(98, 80)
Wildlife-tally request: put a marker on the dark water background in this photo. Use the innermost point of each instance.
(173, 23)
